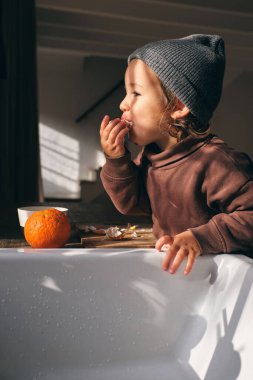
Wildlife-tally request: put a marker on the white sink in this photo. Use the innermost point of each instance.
(101, 314)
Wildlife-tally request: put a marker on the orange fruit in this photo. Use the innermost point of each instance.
(47, 229)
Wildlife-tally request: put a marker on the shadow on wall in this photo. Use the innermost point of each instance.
(232, 122)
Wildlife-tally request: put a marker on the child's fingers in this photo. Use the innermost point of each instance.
(174, 248)
(121, 136)
(112, 138)
(118, 130)
(104, 123)
(166, 239)
(109, 127)
(167, 260)
(170, 254)
(179, 258)
(190, 261)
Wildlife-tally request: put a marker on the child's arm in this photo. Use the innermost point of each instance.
(182, 246)
(121, 177)
(229, 192)
(228, 189)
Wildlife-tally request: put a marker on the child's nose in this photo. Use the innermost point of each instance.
(124, 105)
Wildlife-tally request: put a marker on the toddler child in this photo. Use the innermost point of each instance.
(198, 189)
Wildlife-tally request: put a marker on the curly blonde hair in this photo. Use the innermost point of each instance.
(183, 127)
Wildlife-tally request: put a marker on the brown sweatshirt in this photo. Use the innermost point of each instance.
(200, 184)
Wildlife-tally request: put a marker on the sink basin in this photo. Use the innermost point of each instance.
(100, 314)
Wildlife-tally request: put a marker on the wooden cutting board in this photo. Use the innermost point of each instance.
(144, 239)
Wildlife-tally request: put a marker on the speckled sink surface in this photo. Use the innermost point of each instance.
(100, 314)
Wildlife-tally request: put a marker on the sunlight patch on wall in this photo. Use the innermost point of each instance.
(100, 159)
(60, 163)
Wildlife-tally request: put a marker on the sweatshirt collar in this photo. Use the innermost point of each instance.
(177, 152)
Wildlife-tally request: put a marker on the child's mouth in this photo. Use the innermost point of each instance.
(129, 123)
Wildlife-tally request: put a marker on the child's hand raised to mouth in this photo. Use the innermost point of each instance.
(112, 136)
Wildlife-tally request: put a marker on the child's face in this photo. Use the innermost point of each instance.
(144, 104)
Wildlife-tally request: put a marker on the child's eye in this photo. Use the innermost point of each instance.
(134, 93)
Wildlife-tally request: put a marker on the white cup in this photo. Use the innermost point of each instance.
(25, 212)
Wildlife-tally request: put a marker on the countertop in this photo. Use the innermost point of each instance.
(104, 213)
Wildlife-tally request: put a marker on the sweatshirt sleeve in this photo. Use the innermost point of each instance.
(229, 192)
(124, 182)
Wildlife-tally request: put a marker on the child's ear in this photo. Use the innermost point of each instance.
(180, 110)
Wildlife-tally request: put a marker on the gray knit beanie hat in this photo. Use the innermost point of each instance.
(191, 67)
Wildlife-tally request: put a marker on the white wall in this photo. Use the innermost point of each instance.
(68, 85)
